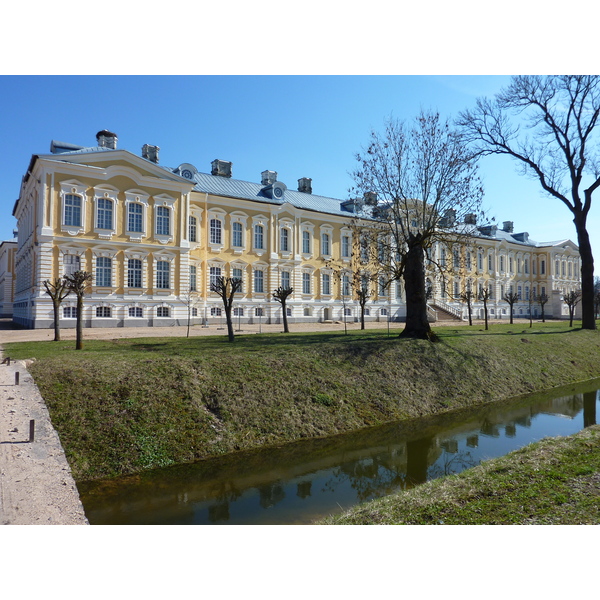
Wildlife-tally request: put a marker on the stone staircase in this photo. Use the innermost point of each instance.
(446, 314)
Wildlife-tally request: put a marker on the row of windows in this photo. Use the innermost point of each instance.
(522, 265)
(70, 312)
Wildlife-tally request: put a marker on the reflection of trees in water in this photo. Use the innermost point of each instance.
(451, 463)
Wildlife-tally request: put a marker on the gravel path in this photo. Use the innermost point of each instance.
(36, 485)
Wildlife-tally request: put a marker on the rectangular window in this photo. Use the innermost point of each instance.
(510, 264)
(71, 263)
(103, 272)
(543, 267)
(288, 311)
(259, 237)
(215, 231)
(326, 284)
(134, 217)
(69, 312)
(215, 273)
(136, 311)
(238, 274)
(382, 286)
(325, 245)
(557, 268)
(306, 283)
(347, 312)
(526, 292)
(163, 220)
(103, 311)
(236, 230)
(215, 311)
(490, 263)
(345, 285)
(193, 229)
(194, 312)
(345, 246)
(238, 312)
(193, 279)
(306, 242)
(163, 280)
(285, 240)
(526, 266)
(258, 311)
(134, 273)
(519, 292)
(285, 279)
(502, 264)
(73, 210)
(456, 259)
(259, 282)
(162, 311)
(468, 260)
(480, 261)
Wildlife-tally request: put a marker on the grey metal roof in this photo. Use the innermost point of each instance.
(247, 190)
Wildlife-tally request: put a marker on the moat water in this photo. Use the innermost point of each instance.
(305, 481)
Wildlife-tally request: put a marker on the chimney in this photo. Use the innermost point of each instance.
(508, 226)
(471, 219)
(449, 218)
(305, 185)
(370, 198)
(222, 168)
(268, 177)
(150, 153)
(107, 139)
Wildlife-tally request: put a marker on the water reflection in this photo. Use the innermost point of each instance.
(302, 482)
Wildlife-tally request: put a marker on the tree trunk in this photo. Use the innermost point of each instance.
(417, 325)
(230, 333)
(286, 329)
(56, 320)
(362, 316)
(511, 314)
(79, 342)
(587, 273)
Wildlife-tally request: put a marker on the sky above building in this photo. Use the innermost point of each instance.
(296, 125)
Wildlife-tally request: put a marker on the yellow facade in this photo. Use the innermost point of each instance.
(154, 238)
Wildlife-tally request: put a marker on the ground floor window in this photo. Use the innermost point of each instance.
(288, 311)
(215, 311)
(103, 311)
(383, 312)
(135, 311)
(258, 311)
(194, 312)
(162, 311)
(69, 312)
(348, 312)
(238, 312)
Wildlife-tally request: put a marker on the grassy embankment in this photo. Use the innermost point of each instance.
(552, 482)
(123, 406)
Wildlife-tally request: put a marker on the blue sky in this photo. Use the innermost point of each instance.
(299, 126)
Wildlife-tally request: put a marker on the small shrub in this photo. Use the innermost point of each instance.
(324, 399)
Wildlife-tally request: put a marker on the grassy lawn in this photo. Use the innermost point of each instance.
(123, 406)
(553, 482)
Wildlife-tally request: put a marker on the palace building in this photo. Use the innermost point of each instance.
(154, 238)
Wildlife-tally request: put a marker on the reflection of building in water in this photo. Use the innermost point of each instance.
(450, 446)
(491, 429)
(218, 512)
(589, 408)
(303, 490)
(524, 421)
(510, 430)
(271, 494)
(473, 441)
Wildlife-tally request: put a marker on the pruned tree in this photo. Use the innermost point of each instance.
(79, 283)
(190, 300)
(559, 114)
(58, 290)
(467, 296)
(485, 294)
(418, 182)
(542, 301)
(512, 298)
(572, 300)
(226, 288)
(281, 295)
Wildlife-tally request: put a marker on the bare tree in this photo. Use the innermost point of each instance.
(560, 151)
(485, 294)
(512, 298)
(79, 283)
(572, 300)
(418, 181)
(226, 287)
(542, 301)
(467, 296)
(281, 295)
(58, 290)
(190, 300)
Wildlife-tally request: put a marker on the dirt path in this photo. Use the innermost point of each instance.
(36, 486)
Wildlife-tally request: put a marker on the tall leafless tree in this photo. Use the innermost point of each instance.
(558, 147)
(542, 301)
(424, 182)
(58, 290)
(467, 296)
(485, 294)
(79, 283)
(226, 287)
(281, 295)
